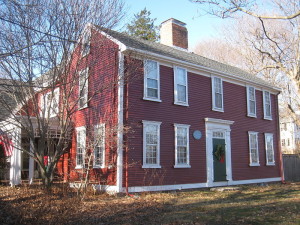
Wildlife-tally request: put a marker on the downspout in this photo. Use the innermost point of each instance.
(279, 143)
(120, 80)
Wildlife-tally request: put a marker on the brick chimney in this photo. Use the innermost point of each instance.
(174, 33)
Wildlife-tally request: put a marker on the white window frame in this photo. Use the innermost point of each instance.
(53, 111)
(179, 165)
(214, 107)
(99, 141)
(85, 43)
(83, 87)
(146, 72)
(145, 164)
(80, 142)
(250, 147)
(272, 163)
(267, 117)
(176, 101)
(249, 100)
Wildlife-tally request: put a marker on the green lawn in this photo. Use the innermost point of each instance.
(271, 204)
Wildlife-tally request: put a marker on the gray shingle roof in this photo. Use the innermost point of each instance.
(189, 57)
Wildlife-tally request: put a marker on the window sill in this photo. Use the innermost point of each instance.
(218, 110)
(182, 166)
(254, 164)
(271, 164)
(252, 116)
(152, 99)
(79, 167)
(84, 107)
(267, 118)
(151, 166)
(98, 167)
(181, 103)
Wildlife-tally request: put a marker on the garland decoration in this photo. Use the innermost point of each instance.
(220, 153)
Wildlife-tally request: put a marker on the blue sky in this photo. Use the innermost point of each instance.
(199, 27)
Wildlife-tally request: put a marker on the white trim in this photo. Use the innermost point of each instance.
(199, 185)
(146, 72)
(119, 179)
(257, 149)
(214, 107)
(267, 162)
(145, 124)
(80, 129)
(219, 121)
(16, 160)
(99, 141)
(249, 100)
(176, 101)
(31, 163)
(187, 127)
(217, 125)
(267, 117)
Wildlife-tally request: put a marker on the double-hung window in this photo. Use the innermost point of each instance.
(99, 146)
(269, 149)
(151, 144)
(80, 146)
(217, 94)
(151, 80)
(251, 101)
(182, 152)
(253, 148)
(267, 105)
(83, 89)
(180, 86)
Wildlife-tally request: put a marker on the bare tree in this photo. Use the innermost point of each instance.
(266, 35)
(39, 58)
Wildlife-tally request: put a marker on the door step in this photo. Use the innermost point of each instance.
(221, 189)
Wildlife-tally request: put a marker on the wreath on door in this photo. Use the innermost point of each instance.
(220, 153)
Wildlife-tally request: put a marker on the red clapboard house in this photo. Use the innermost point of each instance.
(172, 119)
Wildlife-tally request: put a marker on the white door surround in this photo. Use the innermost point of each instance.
(223, 126)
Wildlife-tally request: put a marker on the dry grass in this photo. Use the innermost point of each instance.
(272, 204)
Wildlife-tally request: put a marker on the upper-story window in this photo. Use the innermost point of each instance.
(251, 101)
(50, 103)
(151, 80)
(80, 146)
(253, 148)
(217, 94)
(269, 149)
(151, 144)
(267, 105)
(85, 43)
(182, 150)
(83, 88)
(180, 86)
(99, 146)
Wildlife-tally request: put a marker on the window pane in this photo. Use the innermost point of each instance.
(218, 100)
(152, 93)
(252, 107)
(152, 83)
(151, 68)
(181, 76)
(181, 93)
(217, 85)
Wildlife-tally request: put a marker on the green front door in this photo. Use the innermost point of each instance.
(219, 159)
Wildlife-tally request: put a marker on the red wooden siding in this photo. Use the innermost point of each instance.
(200, 107)
(102, 87)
